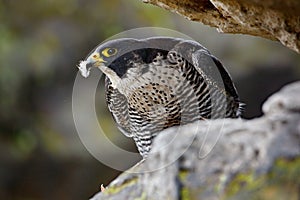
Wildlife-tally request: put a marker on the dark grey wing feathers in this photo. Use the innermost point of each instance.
(211, 69)
(228, 83)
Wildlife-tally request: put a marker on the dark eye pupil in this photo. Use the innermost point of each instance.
(111, 51)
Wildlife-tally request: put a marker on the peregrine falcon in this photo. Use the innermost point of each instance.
(159, 82)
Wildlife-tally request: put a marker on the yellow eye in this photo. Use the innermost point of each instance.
(109, 52)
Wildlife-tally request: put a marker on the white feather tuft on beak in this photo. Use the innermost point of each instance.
(83, 69)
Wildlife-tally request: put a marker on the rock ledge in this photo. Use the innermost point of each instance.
(271, 19)
(222, 159)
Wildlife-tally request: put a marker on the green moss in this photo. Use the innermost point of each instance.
(115, 189)
(287, 171)
(245, 181)
(184, 191)
(282, 182)
(182, 175)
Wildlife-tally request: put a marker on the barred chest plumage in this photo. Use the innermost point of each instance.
(166, 92)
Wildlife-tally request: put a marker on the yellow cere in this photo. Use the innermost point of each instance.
(96, 55)
(109, 52)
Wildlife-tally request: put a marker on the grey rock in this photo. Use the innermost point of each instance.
(201, 160)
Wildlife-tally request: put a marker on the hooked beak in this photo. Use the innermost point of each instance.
(92, 61)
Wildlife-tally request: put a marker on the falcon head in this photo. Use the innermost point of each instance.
(109, 58)
(112, 57)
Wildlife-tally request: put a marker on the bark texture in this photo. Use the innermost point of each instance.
(271, 19)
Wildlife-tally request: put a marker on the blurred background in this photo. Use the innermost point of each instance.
(41, 42)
